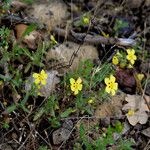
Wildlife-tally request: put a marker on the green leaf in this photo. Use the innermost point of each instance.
(82, 130)
(11, 108)
(66, 113)
(39, 114)
(29, 29)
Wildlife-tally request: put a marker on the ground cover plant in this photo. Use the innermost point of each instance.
(74, 75)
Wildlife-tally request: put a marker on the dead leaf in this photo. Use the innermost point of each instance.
(31, 40)
(137, 104)
(20, 29)
(112, 108)
(126, 80)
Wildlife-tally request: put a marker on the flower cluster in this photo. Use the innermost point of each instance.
(111, 85)
(130, 56)
(76, 85)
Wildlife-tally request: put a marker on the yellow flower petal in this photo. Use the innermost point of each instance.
(72, 81)
(43, 82)
(112, 78)
(132, 51)
(115, 60)
(79, 80)
(115, 86)
(107, 89)
(73, 88)
(107, 81)
(134, 57)
(140, 76)
(113, 92)
(130, 66)
(128, 51)
(35, 75)
(80, 87)
(76, 92)
(90, 101)
(132, 61)
(43, 74)
(37, 81)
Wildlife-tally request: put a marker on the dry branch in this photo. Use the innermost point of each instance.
(92, 39)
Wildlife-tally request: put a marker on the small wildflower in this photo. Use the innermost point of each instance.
(53, 39)
(40, 77)
(130, 66)
(76, 86)
(131, 56)
(111, 85)
(140, 76)
(90, 101)
(115, 60)
(86, 20)
(131, 112)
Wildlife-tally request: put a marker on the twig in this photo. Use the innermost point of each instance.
(91, 39)
(43, 139)
(25, 141)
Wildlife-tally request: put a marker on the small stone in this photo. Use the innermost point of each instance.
(105, 122)
(146, 132)
(126, 128)
(68, 124)
(60, 135)
(5, 147)
(134, 3)
(147, 3)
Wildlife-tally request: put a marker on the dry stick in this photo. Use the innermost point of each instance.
(147, 147)
(25, 141)
(94, 39)
(43, 139)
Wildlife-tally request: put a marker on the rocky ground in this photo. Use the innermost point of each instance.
(63, 39)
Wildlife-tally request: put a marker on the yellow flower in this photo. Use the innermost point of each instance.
(131, 56)
(115, 60)
(53, 39)
(131, 112)
(86, 20)
(140, 76)
(76, 86)
(130, 66)
(40, 77)
(90, 101)
(111, 85)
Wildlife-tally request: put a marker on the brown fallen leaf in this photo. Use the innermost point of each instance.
(20, 29)
(137, 109)
(111, 108)
(31, 40)
(126, 80)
